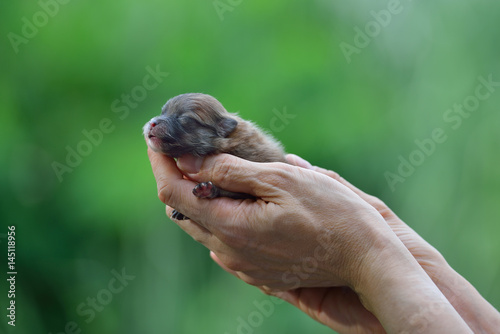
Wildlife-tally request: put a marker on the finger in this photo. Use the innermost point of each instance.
(245, 276)
(295, 160)
(173, 188)
(222, 265)
(238, 175)
(195, 230)
(168, 177)
(331, 304)
(337, 177)
(162, 166)
(298, 161)
(289, 296)
(372, 200)
(176, 191)
(263, 287)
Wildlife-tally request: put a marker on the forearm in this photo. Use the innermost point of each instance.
(404, 298)
(480, 315)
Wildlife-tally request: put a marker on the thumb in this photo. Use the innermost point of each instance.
(235, 174)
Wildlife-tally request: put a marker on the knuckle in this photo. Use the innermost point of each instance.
(279, 175)
(252, 281)
(376, 202)
(235, 264)
(329, 173)
(222, 169)
(165, 194)
(334, 175)
(199, 238)
(380, 206)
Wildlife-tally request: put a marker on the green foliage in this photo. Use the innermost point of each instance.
(360, 115)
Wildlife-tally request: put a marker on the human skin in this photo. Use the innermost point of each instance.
(296, 205)
(480, 315)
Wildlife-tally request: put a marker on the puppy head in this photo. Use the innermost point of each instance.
(189, 124)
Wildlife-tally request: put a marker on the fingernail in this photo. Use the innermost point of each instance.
(298, 161)
(190, 164)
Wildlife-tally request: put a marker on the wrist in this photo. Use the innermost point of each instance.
(480, 315)
(394, 287)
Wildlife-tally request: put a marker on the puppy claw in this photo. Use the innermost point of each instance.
(206, 190)
(178, 216)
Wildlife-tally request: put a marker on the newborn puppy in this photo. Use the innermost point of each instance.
(198, 124)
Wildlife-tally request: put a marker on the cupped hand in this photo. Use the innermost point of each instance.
(307, 238)
(300, 231)
(295, 241)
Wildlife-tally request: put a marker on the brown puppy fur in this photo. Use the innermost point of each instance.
(199, 125)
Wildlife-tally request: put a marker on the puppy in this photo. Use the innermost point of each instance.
(199, 125)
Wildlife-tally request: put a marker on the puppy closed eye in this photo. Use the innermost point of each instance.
(188, 123)
(195, 127)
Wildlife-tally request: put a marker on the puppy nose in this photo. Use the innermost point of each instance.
(149, 126)
(154, 122)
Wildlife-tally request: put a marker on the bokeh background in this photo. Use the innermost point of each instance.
(68, 66)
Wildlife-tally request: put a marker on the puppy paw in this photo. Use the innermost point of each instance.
(178, 216)
(206, 190)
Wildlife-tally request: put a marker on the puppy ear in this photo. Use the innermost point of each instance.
(226, 126)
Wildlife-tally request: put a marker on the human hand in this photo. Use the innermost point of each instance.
(339, 307)
(426, 255)
(475, 310)
(283, 229)
(336, 307)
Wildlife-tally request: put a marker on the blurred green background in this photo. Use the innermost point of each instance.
(68, 66)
